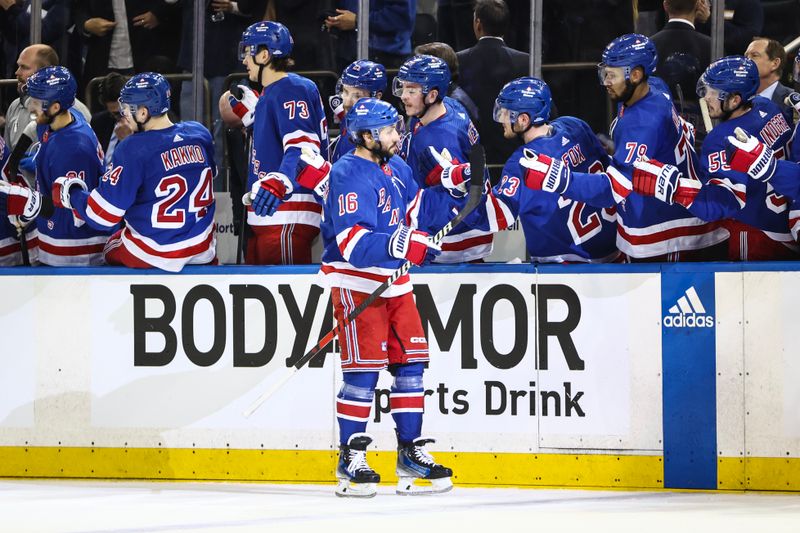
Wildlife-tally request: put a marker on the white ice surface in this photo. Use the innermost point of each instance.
(55, 506)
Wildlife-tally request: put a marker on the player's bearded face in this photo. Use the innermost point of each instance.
(389, 138)
(613, 79)
(412, 99)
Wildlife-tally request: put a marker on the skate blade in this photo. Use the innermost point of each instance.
(346, 489)
(406, 486)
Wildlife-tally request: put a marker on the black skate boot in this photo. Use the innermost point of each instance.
(356, 478)
(413, 463)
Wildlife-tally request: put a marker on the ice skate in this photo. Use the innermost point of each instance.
(356, 478)
(414, 463)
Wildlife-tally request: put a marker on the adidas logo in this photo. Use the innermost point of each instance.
(688, 312)
(564, 141)
(177, 138)
(762, 113)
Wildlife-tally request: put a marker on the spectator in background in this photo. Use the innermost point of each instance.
(444, 51)
(108, 124)
(390, 25)
(486, 68)
(683, 55)
(122, 34)
(744, 19)
(770, 58)
(15, 24)
(454, 18)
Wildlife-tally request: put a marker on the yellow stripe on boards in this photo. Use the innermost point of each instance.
(318, 466)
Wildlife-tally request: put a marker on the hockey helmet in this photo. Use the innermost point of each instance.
(365, 75)
(628, 52)
(49, 85)
(523, 95)
(149, 90)
(730, 75)
(272, 35)
(372, 115)
(427, 71)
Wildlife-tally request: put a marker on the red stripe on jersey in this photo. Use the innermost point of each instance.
(466, 243)
(327, 269)
(299, 206)
(500, 216)
(175, 254)
(71, 250)
(412, 206)
(303, 139)
(356, 411)
(110, 218)
(741, 196)
(661, 236)
(618, 188)
(355, 230)
(10, 249)
(407, 402)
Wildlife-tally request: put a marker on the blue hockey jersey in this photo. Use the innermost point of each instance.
(72, 151)
(288, 117)
(340, 146)
(160, 182)
(10, 247)
(764, 208)
(454, 131)
(647, 227)
(557, 229)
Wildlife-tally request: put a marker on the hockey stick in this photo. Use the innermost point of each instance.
(706, 117)
(477, 160)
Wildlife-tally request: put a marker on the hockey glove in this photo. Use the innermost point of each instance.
(454, 177)
(793, 100)
(269, 192)
(61, 190)
(243, 102)
(664, 182)
(313, 172)
(28, 164)
(336, 103)
(411, 244)
(543, 173)
(749, 155)
(20, 201)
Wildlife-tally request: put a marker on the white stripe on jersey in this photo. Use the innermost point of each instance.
(301, 139)
(696, 237)
(344, 275)
(110, 217)
(349, 242)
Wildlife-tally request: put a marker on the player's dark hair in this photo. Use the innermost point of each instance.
(442, 51)
(278, 64)
(774, 50)
(111, 86)
(494, 16)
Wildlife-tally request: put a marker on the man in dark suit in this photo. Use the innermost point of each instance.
(770, 58)
(486, 68)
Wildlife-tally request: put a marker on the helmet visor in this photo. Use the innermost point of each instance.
(244, 50)
(36, 105)
(710, 93)
(400, 88)
(611, 75)
(127, 110)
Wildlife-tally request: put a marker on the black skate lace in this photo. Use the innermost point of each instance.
(421, 455)
(358, 461)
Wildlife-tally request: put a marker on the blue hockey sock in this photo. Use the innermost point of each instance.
(407, 401)
(354, 402)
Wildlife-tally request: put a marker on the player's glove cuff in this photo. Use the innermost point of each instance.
(313, 172)
(21, 201)
(654, 178)
(61, 190)
(269, 192)
(408, 243)
(544, 173)
(749, 155)
(243, 102)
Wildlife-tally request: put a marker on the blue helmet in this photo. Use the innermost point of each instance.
(524, 95)
(729, 75)
(372, 115)
(149, 90)
(51, 85)
(428, 71)
(272, 35)
(630, 51)
(365, 75)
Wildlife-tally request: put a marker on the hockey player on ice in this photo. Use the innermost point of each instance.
(557, 229)
(367, 237)
(160, 182)
(361, 79)
(756, 216)
(646, 127)
(68, 149)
